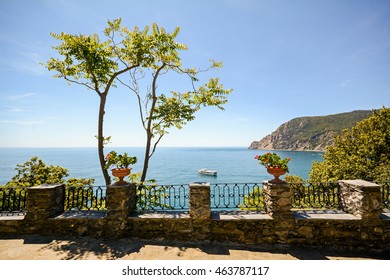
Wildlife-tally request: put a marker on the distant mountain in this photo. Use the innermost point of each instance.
(309, 133)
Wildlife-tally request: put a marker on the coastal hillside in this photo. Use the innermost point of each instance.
(309, 133)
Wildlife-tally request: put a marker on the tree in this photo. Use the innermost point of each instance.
(35, 172)
(161, 111)
(87, 61)
(78, 192)
(362, 152)
(97, 65)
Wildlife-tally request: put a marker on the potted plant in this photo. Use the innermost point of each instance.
(275, 165)
(121, 165)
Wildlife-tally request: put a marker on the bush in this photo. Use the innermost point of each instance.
(362, 152)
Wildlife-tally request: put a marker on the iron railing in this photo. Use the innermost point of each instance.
(234, 196)
(162, 197)
(237, 196)
(85, 198)
(315, 195)
(13, 200)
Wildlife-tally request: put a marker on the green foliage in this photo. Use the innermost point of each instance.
(315, 195)
(362, 152)
(160, 112)
(35, 172)
(79, 182)
(312, 195)
(86, 60)
(83, 197)
(118, 160)
(293, 179)
(150, 195)
(12, 199)
(97, 64)
(273, 160)
(254, 200)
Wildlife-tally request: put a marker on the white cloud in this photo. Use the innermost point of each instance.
(345, 83)
(28, 62)
(16, 110)
(20, 96)
(23, 123)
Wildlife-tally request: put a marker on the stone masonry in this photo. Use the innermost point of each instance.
(361, 198)
(200, 201)
(362, 226)
(277, 199)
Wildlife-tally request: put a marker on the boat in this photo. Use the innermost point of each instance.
(209, 172)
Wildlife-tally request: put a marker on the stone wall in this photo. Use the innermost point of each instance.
(362, 226)
(361, 198)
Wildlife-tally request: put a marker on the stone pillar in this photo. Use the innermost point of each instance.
(43, 202)
(199, 201)
(361, 198)
(277, 199)
(120, 201)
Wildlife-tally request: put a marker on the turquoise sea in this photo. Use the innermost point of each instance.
(167, 166)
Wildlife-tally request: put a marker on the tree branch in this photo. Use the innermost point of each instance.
(155, 145)
(116, 74)
(154, 97)
(79, 83)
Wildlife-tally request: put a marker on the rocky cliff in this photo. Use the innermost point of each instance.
(309, 133)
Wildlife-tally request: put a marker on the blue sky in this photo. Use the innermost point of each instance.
(283, 59)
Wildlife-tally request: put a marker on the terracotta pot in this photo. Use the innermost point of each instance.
(276, 171)
(120, 173)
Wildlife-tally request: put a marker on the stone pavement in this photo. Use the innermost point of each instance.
(82, 248)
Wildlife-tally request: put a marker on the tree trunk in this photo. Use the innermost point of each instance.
(147, 157)
(101, 140)
(148, 128)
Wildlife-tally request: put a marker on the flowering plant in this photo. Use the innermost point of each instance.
(120, 161)
(273, 160)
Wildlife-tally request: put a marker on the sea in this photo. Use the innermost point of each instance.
(173, 166)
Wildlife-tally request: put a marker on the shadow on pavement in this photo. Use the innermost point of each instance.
(82, 248)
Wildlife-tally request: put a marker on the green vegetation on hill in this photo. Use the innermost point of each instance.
(310, 133)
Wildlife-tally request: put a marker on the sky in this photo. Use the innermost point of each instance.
(283, 59)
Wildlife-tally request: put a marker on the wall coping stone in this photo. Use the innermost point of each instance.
(360, 183)
(239, 215)
(45, 187)
(81, 215)
(323, 215)
(199, 184)
(385, 215)
(280, 184)
(215, 215)
(12, 217)
(161, 215)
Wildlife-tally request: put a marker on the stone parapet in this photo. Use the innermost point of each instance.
(121, 200)
(359, 228)
(45, 201)
(361, 198)
(199, 201)
(277, 199)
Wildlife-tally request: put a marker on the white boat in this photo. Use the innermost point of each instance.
(205, 171)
